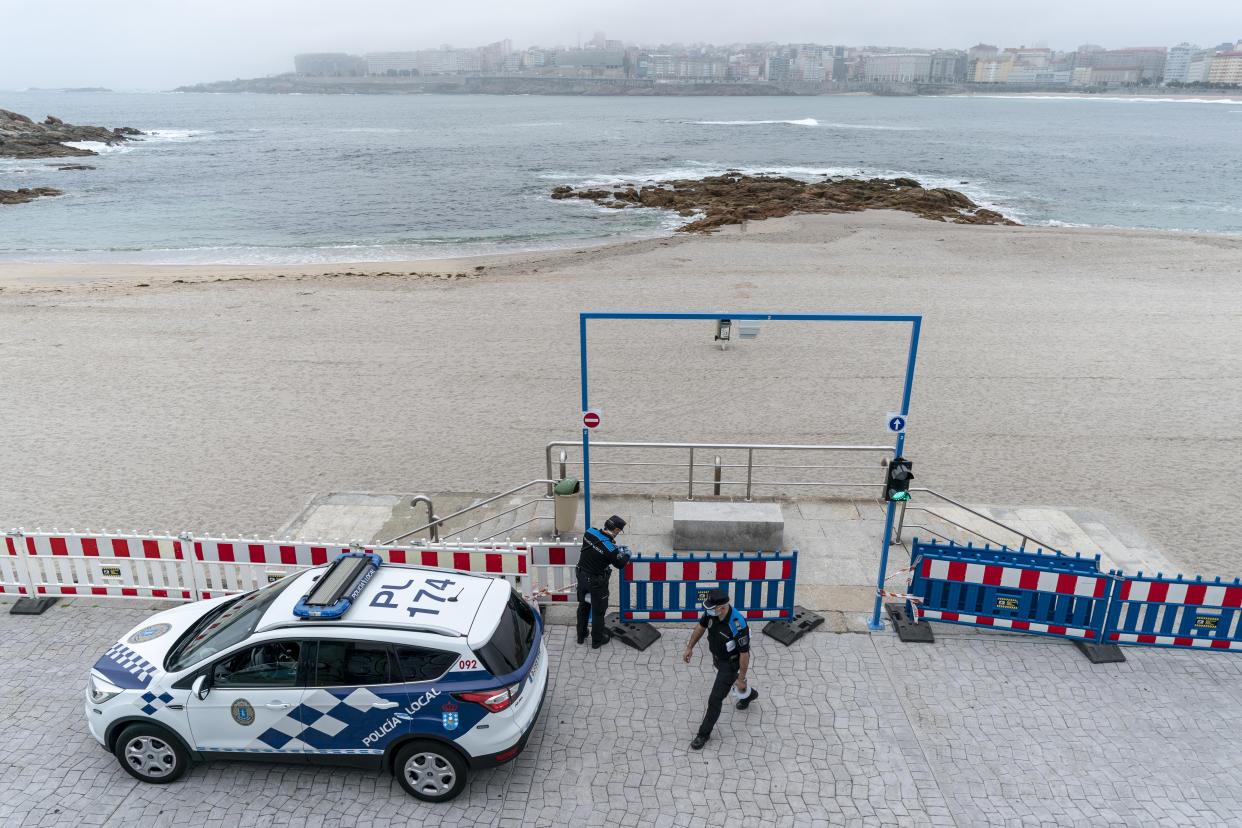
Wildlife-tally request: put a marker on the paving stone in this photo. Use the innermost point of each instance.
(852, 729)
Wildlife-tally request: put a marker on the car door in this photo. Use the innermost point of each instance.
(355, 703)
(253, 704)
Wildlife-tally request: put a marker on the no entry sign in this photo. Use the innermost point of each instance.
(590, 419)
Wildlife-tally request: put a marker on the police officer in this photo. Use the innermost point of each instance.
(728, 638)
(599, 553)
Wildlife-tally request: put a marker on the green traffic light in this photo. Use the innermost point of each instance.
(900, 496)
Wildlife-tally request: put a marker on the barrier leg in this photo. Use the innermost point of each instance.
(1101, 651)
(31, 604)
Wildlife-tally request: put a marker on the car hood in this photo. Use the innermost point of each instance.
(138, 656)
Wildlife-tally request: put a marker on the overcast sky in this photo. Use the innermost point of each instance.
(159, 44)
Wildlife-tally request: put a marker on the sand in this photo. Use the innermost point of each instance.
(1074, 368)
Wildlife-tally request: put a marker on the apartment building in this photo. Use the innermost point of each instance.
(1226, 67)
(911, 67)
(1177, 65)
(329, 64)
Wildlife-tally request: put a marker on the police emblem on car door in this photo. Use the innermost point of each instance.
(252, 702)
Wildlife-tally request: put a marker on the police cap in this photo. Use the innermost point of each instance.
(715, 598)
(615, 523)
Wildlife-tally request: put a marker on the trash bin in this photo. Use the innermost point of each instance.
(565, 504)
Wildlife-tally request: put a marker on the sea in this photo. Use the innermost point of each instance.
(289, 179)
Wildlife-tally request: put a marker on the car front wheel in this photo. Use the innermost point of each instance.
(430, 771)
(149, 753)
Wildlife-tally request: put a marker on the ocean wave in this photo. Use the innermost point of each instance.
(801, 122)
(100, 147)
(175, 134)
(1114, 98)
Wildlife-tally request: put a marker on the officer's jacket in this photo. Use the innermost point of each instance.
(729, 638)
(598, 553)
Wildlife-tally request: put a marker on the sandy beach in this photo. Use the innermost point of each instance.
(1060, 367)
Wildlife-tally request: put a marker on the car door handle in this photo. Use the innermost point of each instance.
(276, 706)
(385, 705)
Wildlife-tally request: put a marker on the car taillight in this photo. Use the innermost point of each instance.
(493, 700)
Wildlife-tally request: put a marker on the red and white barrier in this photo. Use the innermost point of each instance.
(120, 566)
(54, 564)
(553, 568)
(13, 577)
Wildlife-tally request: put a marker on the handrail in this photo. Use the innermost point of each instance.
(432, 520)
(749, 448)
(508, 511)
(1025, 537)
(440, 521)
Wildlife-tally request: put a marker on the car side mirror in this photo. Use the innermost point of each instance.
(199, 688)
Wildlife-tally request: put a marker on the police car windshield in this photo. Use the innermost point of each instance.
(224, 626)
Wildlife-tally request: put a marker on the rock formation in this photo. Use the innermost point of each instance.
(21, 137)
(26, 194)
(733, 198)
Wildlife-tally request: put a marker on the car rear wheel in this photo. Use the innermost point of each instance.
(430, 771)
(149, 753)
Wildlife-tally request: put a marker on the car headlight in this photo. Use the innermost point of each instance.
(99, 691)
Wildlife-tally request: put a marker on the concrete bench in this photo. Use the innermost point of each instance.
(728, 527)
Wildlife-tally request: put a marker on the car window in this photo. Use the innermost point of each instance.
(271, 664)
(510, 644)
(351, 663)
(421, 664)
(226, 625)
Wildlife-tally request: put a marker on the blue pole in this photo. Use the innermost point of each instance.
(875, 623)
(586, 440)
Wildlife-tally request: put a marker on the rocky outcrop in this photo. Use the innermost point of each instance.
(26, 194)
(21, 137)
(733, 198)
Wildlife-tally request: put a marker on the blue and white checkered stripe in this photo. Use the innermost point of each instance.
(324, 723)
(150, 702)
(132, 663)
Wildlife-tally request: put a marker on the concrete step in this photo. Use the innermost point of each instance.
(839, 541)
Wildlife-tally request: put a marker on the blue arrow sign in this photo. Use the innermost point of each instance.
(896, 422)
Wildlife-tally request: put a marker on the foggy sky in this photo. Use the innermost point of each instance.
(159, 44)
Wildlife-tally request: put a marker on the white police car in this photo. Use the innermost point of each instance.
(424, 672)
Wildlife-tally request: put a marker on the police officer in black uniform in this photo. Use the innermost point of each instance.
(599, 553)
(728, 638)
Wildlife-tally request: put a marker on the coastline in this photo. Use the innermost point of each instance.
(28, 277)
(1075, 368)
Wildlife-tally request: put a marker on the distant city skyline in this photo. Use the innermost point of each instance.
(150, 45)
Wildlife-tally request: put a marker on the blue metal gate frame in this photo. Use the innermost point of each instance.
(915, 322)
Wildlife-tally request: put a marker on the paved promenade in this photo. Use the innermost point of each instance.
(852, 729)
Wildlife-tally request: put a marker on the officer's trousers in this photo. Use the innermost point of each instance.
(595, 586)
(726, 674)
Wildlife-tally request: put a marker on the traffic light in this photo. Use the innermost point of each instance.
(897, 484)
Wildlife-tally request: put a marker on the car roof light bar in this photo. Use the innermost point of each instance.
(337, 588)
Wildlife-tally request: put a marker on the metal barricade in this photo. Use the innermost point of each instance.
(227, 566)
(672, 587)
(13, 577)
(1037, 592)
(553, 571)
(121, 566)
(1176, 612)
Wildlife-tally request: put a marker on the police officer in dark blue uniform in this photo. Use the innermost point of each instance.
(728, 638)
(599, 554)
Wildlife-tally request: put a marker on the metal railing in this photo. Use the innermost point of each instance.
(750, 480)
(906, 507)
(436, 522)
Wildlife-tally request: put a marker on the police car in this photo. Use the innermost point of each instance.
(424, 672)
